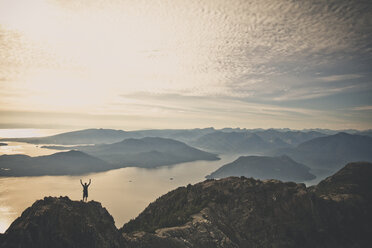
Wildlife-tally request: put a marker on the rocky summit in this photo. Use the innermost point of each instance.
(60, 222)
(231, 212)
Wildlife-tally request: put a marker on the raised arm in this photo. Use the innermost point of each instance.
(81, 183)
(89, 182)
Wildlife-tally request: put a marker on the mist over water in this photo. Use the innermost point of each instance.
(26, 149)
(124, 192)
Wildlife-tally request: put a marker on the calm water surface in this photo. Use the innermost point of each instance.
(124, 192)
(26, 149)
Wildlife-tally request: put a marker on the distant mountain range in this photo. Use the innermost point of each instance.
(108, 136)
(228, 213)
(273, 137)
(252, 143)
(145, 152)
(288, 138)
(331, 152)
(62, 163)
(87, 136)
(234, 142)
(150, 148)
(260, 167)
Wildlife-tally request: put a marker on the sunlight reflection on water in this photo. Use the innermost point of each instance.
(124, 192)
(26, 149)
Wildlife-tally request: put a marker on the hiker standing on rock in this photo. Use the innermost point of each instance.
(85, 189)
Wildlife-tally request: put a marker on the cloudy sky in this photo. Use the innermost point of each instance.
(185, 63)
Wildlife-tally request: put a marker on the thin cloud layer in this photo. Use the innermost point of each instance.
(274, 55)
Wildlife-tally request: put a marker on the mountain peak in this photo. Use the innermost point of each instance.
(342, 134)
(60, 222)
(70, 153)
(264, 167)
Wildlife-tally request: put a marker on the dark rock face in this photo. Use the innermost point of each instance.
(242, 212)
(60, 222)
(354, 179)
(228, 213)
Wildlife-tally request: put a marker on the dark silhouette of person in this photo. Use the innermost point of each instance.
(85, 189)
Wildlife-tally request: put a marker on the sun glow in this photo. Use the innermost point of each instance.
(3, 226)
(87, 57)
(6, 216)
(28, 132)
(84, 58)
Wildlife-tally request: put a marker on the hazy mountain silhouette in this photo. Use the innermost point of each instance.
(251, 141)
(228, 213)
(184, 135)
(234, 142)
(261, 167)
(86, 136)
(274, 138)
(146, 152)
(331, 152)
(62, 163)
(107, 136)
(365, 133)
(288, 137)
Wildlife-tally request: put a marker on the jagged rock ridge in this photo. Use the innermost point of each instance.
(60, 222)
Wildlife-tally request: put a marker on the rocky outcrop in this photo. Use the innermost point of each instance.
(243, 212)
(354, 180)
(60, 222)
(228, 213)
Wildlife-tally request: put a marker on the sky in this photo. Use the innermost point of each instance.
(144, 64)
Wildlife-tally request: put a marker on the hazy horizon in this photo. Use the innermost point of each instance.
(184, 64)
(35, 132)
